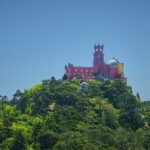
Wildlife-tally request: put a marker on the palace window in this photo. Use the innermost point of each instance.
(86, 70)
(81, 70)
(76, 70)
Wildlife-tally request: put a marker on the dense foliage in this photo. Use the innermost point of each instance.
(58, 115)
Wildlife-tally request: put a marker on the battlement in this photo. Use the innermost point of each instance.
(98, 47)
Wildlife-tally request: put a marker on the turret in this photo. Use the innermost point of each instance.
(98, 47)
(98, 58)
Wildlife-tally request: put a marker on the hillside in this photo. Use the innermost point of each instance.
(55, 115)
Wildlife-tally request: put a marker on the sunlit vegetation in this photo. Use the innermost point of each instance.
(57, 115)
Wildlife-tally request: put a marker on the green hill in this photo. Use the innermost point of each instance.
(62, 115)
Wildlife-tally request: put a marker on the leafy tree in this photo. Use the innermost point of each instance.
(94, 88)
(16, 97)
(16, 142)
(64, 77)
(4, 132)
(56, 115)
(47, 139)
(129, 114)
(110, 117)
(138, 95)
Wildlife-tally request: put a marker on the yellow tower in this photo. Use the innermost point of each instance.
(121, 71)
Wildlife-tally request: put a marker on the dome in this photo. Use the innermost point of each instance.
(84, 87)
(113, 62)
(83, 84)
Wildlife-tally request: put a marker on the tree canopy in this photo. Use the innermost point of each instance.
(58, 115)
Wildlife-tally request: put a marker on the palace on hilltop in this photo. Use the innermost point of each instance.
(99, 71)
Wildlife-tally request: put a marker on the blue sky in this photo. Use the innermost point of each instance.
(37, 39)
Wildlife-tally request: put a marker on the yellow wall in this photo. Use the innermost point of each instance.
(120, 68)
(121, 71)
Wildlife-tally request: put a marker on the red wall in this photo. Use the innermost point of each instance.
(113, 72)
(87, 72)
(83, 71)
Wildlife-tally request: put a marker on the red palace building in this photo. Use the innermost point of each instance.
(99, 71)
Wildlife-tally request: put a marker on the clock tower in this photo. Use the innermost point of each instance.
(98, 58)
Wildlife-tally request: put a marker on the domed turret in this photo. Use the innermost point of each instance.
(84, 87)
(113, 62)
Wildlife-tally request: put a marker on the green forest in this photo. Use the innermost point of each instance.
(63, 115)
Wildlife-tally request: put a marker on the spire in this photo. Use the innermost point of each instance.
(98, 47)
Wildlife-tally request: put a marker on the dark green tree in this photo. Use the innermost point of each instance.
(47, 139)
